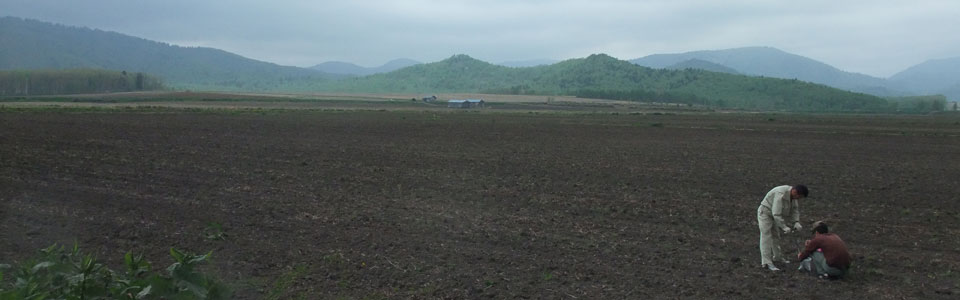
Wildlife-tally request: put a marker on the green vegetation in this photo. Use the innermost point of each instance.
(69, 274)
(918, 104)
(605, 77)
(77, 81)
(214, 232)
(770, 62)
(282, 286)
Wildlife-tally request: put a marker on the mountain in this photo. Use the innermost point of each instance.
(602, 76)
(339, 67)
(938, 76)
(31, 44)
(394, 65)
(772, 62)
(702, 65)
(528, 63)
(345, 68)
(457, 73)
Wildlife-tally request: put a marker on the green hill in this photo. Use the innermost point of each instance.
(32, 45)
(602, 76)
(702, 65)
(772, 62)
(459, 73)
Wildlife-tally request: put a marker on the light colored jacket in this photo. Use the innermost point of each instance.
(779, 203)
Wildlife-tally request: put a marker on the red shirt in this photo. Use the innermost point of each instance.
(833, 248)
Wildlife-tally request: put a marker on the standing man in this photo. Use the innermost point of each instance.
(780, 201)
(825, 256)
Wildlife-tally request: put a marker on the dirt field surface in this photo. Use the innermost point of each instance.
(469, 205)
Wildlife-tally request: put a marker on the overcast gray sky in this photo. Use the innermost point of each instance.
(879, 37)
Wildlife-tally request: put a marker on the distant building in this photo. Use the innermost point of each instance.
(430, 99)
(952, 106)
(466, 103)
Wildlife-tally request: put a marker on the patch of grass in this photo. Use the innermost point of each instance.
(334, 258)
(281, 286)
(547, 276)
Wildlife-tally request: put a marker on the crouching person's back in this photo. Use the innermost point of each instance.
(825, 255)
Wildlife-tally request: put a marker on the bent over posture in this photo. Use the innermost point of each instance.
(825, 255)
(779, 202)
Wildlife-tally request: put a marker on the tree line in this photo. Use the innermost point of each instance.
(77, 81)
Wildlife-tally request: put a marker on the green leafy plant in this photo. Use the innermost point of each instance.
(59, 273)
(214, 231)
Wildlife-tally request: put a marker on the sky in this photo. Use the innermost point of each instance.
(877, 38)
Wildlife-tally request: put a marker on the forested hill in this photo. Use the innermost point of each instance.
(772, 62)
(30, 44)
(703, 65)
(602, 76)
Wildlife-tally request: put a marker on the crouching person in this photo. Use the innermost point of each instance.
(825, 255)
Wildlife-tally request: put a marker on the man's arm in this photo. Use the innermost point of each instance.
(777, 210)
(795, 210)
(812, 245)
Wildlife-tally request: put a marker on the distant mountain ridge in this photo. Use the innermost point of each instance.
(602, 76)
(772, 62)
(345, 68)
(30, 44)
(936, 76)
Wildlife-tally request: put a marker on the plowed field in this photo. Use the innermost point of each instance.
(381, 204)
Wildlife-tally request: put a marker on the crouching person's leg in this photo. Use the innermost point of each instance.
(822, 269)
(813, 264)
(806, 266)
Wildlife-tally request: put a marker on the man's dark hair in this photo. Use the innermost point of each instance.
(802, 190)
(820, 227)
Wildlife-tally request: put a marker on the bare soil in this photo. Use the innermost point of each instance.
(453, 204)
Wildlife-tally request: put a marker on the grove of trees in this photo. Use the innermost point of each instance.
(77, 81)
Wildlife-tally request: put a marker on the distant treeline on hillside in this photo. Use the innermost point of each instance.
(919, 104)
(604, 77)
(81, 81)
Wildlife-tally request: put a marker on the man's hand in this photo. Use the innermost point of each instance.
(797, 226)
(786, 230)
